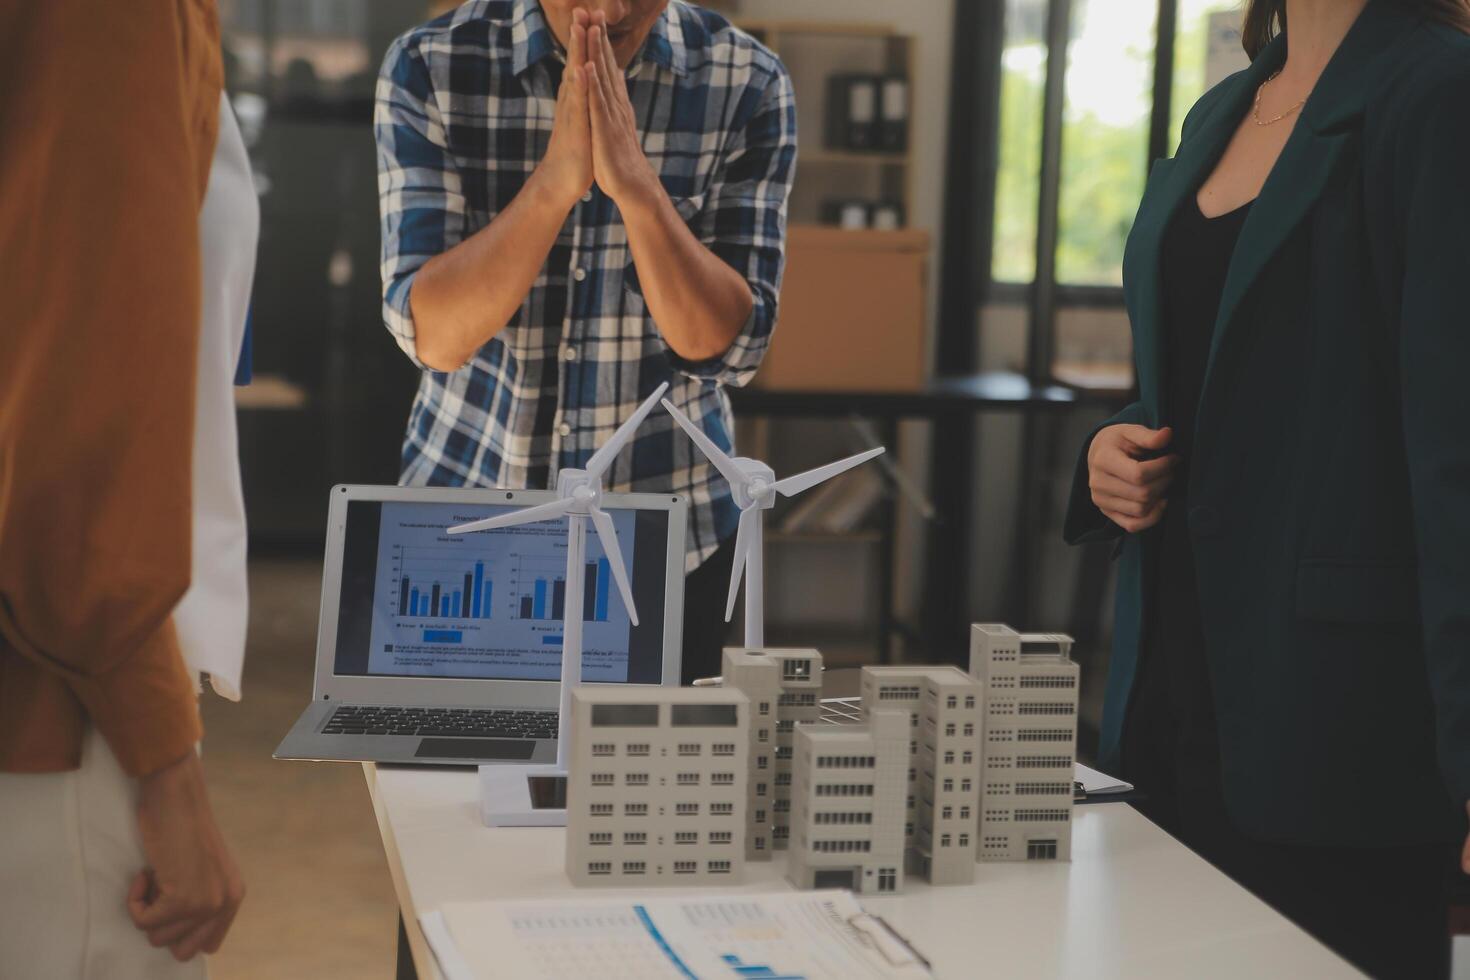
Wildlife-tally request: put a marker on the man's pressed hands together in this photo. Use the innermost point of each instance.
(1128, 480)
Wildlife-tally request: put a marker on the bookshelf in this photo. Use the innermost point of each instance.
(814, 51)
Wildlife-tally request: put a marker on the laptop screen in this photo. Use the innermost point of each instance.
(417, 602)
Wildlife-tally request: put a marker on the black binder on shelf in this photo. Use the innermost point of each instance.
(852, 112)
(893, 114)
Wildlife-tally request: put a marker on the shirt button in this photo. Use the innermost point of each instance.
(570, 353)
(587, 197)
(579, 275)
(565, 428)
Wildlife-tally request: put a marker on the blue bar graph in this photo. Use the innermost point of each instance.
(475, 603)
(444, 606)
(413, 602)
(604, 572)
(538, 611)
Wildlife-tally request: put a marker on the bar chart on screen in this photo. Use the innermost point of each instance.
(542, 585)
(442, 583)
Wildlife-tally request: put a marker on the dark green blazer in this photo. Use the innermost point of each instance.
(1329, 494)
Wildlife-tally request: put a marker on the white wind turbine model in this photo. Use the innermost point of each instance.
(754, 486)
(507, 793)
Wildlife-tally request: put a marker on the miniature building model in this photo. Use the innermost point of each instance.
(849, 783)
(1030, 742)
(783, 687)
(656, 788)
(943, 798)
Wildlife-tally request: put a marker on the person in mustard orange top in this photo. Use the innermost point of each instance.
(110, 857)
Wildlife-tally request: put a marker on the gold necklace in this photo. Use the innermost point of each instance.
(1256, 109)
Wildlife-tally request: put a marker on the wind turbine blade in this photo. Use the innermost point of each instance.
(604, 456)
(526, 515)
(793, 485)
(608, 535)
(706, 445)
(737, 566)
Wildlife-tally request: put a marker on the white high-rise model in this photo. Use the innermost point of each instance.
(944, 708)
(754, 486)
(1029, 745)
(656, 793)
(783, 687)
(579, 493)
(847, 804)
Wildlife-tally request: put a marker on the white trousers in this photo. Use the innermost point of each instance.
(69, 848)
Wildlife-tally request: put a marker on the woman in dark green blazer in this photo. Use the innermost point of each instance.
(1290, 679)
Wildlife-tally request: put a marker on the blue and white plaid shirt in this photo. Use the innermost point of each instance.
(464, 112)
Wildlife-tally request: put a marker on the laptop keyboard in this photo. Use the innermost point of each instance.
(351, 719)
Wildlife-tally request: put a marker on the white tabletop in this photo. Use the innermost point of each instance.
(1133, 902)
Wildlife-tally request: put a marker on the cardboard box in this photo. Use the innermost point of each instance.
(852, 312)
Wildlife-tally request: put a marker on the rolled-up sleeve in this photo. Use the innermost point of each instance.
(420, 199)
(743, 221)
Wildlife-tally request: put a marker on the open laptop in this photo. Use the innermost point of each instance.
(446, 649)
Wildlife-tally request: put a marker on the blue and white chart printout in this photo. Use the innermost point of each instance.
(822, 935)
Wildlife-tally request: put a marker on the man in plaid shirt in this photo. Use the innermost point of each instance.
(582, 199)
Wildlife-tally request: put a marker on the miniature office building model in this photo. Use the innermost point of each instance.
(943, 706)
(783, 687)
(1029, 745)
(847, 804)
(657, 786)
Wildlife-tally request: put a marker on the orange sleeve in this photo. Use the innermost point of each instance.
(110, 114)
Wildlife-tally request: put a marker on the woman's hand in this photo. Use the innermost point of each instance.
(1127, 484)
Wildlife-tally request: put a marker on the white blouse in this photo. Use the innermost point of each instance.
(211, 618)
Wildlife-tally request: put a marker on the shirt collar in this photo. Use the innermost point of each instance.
(532, 40)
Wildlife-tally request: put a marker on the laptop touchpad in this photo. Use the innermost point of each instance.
(512, 749)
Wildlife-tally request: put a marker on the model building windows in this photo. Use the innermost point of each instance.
(685, 867)
(949, 757)
(719, 867)
(783, 753)
(964, 840)
(722, 748)
(887, 879)
(964, 813)
(762, 762)
(688, 779)
(785, 726)
(760, 843)
(797, 700)
(686, 837)
(636, 779)
(949, 728)
(600, 839)
(1041, 850)
(1042, 816)
(720, 809)
(721, 836)
(760, 816)
(760, 789)
(946, 813)
(843, 818)
(842, 846)
(969, 728)
(1047, 708)
(948, 785)
(910, 802)
(689, 748)
(965, 785)
(944, 840)
(781, 806)
(1045, 735)
(602, 779)
(765, 707)
(796, 670)
(1044, 762)
(599, 867)
(635, 838)
(686, 809)
(604, 748)
(635, 809)
(722, 779)
(967, 758)
(845, 761)
(600, 809)
(898, 693)
(783, 779)
(969, 700)
(634, 867)
(1060, 683)
(780, 833)
(763, 735)
(637, 748)
(1042, 789)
